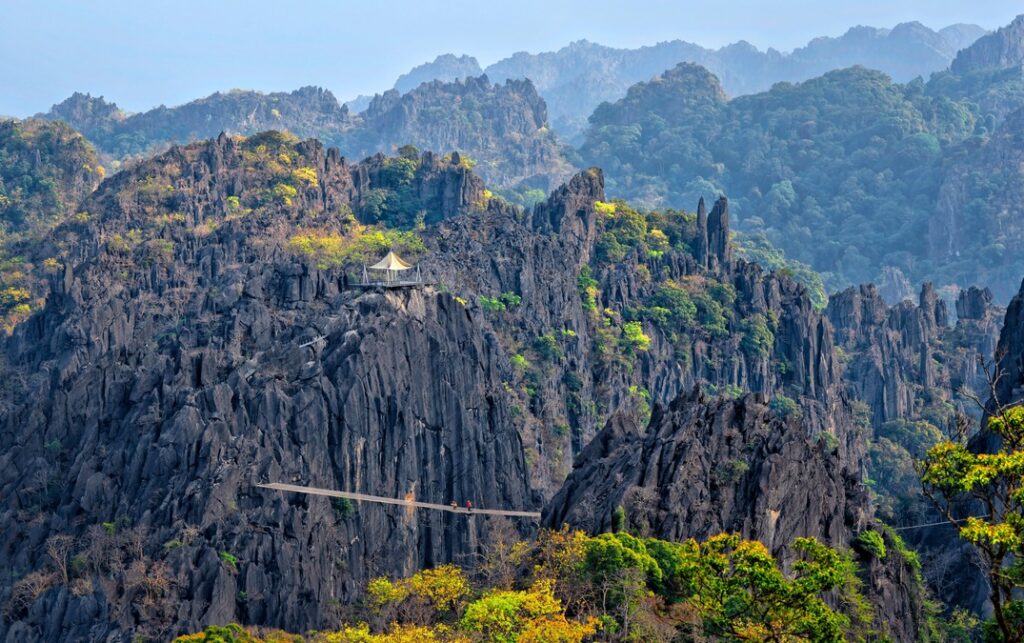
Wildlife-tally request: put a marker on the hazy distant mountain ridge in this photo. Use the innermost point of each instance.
(446, 67)
(306, 112)
(849, 172)
(578, 77)
(504, 127)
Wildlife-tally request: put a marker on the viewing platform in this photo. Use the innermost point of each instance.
(398, 283)
(389, 272)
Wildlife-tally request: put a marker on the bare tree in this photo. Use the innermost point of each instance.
(135, 541)
(502, 554)
(58, 548)
(26, 591)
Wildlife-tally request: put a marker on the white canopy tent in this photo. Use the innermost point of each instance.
(390, 267)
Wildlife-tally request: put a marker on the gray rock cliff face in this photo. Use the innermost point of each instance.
(906, 356)
(1001, 49)
(503, 127)
(166, 375)
(540, 256)
(145, 401)
(707, 466)
(1010, 355)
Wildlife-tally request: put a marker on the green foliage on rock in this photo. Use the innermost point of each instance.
(872, 543)
(844, 172)
(758, 338)
(45, 168)
(952, 472)
(784, 406)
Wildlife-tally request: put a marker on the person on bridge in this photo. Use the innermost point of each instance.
(469, 506)
(455, 506)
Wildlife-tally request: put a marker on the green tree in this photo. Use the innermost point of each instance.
(741, 594)
(952, 473)
(508, 616)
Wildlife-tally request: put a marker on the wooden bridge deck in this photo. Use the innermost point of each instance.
(316, 491)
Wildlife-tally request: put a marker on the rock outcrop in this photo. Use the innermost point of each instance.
(903, 358)
(704, 467)
(197, 339)
(999, 50)
(502, 127)
(176, 368)
(713, 250)
(1010, 356)
(446, 68)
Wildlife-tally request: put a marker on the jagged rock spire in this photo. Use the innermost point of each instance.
(702, 233)
(718, 234)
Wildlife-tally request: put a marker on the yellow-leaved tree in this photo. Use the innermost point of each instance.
(954, 475)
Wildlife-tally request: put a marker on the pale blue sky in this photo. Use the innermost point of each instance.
(142, 54)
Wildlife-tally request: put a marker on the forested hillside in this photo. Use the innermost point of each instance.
(196, 284)
(592, 409)
(45, 170)
(578, 77)
(503, 127)
(310, 111)
(848, 172)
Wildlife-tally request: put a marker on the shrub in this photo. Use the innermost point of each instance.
(510, 299)
(677, 301)
(784, 406)
(442, 586)
(609, 250)
(491, 304)
(229, 560)
(399, 171)
(587, 287)
(382, 591)
(712, 314)
(305, 176)
(284, 193)
(343, 508)
(26, 591)
(871, 542)
(333, 250)
(548, 347)
(530, 615)
(172, 544)
(634, 337)
(828, 440)
(758, 338)
(732, 471)
(619, 519)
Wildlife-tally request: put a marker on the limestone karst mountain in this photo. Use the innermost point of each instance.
(503, 127)
(847, 172)
(446, 68)
(171, 368)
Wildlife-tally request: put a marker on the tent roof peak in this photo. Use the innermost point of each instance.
(391, 261)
